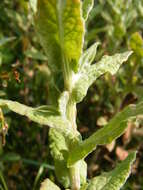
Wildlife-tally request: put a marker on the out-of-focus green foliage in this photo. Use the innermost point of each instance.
(118, 26)
(116, 20)
(23, 75)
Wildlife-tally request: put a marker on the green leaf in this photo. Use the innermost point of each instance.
(88, 57)
(44, 115)
(87, 7)
(48, 185)
(107, 134)
(60, 28)
(59, 151)
(115, 179)
(86, 78)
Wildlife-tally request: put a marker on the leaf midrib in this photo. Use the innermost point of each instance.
(59, 11)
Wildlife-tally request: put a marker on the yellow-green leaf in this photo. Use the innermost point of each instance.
(60, 28)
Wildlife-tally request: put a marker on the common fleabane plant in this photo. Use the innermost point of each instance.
(60, 25)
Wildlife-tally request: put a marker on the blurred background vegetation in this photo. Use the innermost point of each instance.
(25, 158)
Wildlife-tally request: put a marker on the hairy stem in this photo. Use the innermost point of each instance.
(71, 115)
(75, 177)
(74, 170)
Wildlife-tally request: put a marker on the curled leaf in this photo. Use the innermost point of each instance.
(87, 77)
(87, 7)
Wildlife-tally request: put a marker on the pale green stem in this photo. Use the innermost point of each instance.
(75, 177)
(74, 170)
(71, 115)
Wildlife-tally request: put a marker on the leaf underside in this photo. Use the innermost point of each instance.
(90, 73)
(86, 8)
(48, 185)
(59, 151)
(115, 179)
(107, 134)
(88, 57)
(44, 115)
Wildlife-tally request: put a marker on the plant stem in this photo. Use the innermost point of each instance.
(74, 170)
(71, 115)
(75, 177)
